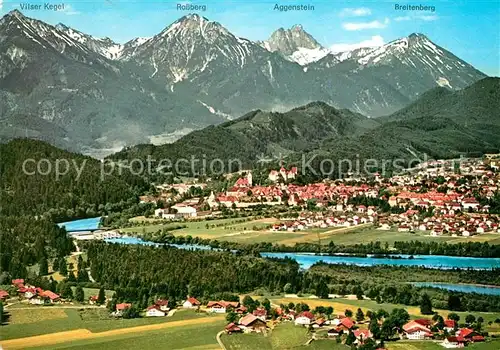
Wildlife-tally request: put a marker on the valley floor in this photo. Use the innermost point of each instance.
(255, 231)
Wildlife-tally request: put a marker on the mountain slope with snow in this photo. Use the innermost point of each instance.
(96, 93)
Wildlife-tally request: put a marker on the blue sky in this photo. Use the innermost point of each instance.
(469, 29)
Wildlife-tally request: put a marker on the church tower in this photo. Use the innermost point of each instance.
(249, 178)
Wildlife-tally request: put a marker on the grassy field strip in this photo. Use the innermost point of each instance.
(338, 307)
(323, 235)
(84, 334)
(32, 315)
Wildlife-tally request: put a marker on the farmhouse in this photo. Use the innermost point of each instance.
(470, 335)
(362, 334)
(454, 342)
(304, 318)
(232, 328)
(191, 303)
(3, 295)
(154, 311)
(260, 313)
(449, 325)
(345, 324)
(418, 329)
(251, 323)
(162, 304)
(120, 308)
(221, 306)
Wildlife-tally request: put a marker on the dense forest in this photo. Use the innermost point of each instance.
(25, 241)
(141, 271)
(78, 192)
(390, 284)
(185, 272)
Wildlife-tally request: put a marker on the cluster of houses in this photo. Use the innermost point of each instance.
(462, 224)
(420, 329)
(160, 307)
(323, 220)
(285, 175)
(34, 295)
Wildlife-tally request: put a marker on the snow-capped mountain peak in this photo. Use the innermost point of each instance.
(295, 44)
(102, 46)
(190, 45)
(287, 41)
(16, 25)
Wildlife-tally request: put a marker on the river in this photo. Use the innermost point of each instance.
(91, 224)
(431, 261)
(463, 288)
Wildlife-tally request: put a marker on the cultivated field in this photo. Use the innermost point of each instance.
(69, 319)
(254, 232)
(178, 334)
(371, 234)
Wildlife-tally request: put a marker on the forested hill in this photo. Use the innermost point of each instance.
(69, 195)
(477, 103)
(441, 124)
(260, 133)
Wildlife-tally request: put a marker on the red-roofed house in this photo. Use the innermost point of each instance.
(449, 325)
(120, 308)
(469, 334)
(454, 342)
(154, 311)
(418, 329)
(191, 303)
(162, 304)
(240, 310)
(260, 313)
(362, 334)
(50, 295)
(232, 328)
(19, 282)
(3, 294)
(320, 322)
(221, 306)
(123, 306)
(477, 338)
(345, 324)
(251, 323)
(304, 318)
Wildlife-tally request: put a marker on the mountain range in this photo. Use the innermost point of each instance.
(85, 93)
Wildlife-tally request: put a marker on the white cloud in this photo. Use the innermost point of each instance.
(428, 18)
(69, 10)
(374, 41)
(365, 25)
(355, 12)
(402, 18)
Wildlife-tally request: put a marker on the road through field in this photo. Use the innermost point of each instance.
(85, 334)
